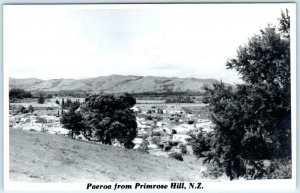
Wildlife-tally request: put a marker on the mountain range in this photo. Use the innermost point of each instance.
(114, 84)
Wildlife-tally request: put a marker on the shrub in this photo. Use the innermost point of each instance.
(213, 171)
(41, 99)
(143, 147)
(173, 143)
(30, 109)
(161, 145)
(156, 133)
(190, 122)
(167, 148)
(280, 169)
(183, 149)
(155, 139)
(22, 109)
(177, 156)
(145, 136)
(41, 120)
(269, 169)
(201, 144)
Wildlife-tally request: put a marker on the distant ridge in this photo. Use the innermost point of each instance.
(114, 84)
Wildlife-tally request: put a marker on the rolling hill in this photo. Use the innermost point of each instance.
(42, 157)
(115, 84)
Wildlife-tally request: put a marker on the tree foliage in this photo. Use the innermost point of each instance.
(108, 117)
(30, 109)
(253, 120)
(18, 93)
(73, 121)
(41, 99)
(69, 104)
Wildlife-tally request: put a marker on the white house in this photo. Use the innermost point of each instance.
(181, 138)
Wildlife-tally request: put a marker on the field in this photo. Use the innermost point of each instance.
(41, 157)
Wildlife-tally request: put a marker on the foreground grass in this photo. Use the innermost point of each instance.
(41, 157)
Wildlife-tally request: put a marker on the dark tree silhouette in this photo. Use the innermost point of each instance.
(18, 93)
(41, 99)
(109, 117)
(253, 120)
(72, 121)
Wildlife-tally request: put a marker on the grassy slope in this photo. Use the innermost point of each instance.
(41, 157)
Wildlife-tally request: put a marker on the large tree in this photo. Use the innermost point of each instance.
(253, 119)
(108, 117)
(73, 121)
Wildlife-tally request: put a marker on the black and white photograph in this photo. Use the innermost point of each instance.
(151, 96)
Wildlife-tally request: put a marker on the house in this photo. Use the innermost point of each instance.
(59, 130)
(181, 138)
(135, 109)
(183, 128)
(206, 125)
(165, 137)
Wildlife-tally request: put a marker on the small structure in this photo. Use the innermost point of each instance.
(181, 138)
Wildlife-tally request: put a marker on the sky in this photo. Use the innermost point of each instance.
(84, 41)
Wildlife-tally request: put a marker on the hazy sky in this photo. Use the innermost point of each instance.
(50, 42)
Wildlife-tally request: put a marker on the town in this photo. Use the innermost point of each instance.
(164, 129)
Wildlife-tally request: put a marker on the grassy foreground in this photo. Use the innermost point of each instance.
(41, 157)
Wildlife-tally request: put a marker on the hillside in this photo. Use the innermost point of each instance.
(41, 157)
(115, 83)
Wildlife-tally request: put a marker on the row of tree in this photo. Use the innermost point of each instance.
(69, 103)
(16, 93)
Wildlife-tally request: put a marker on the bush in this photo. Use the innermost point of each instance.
(190, 122)
(156, 133)
(173, 143)
(30, 109)
(183, 149)
(213, 171)
(49, 96)
(167, 148)
(280, 169)
(177, 156)
(201, 144)
(145, 136)
(41, 99)
(41, 120)
(269, 169)
(155, 139)
(161, 145)
(143, 147)
(22, 110)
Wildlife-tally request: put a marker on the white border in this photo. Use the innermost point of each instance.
(293, 41)
(289, 184)
(5, 114)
